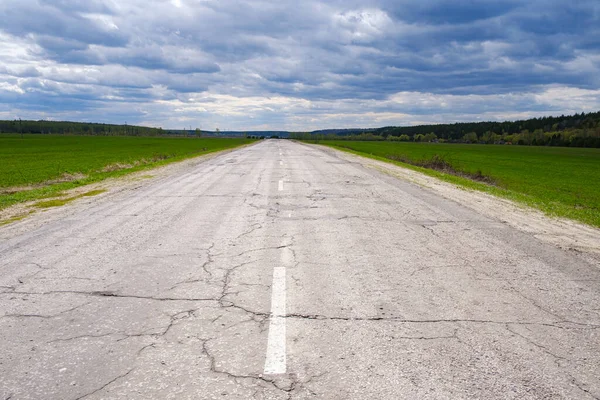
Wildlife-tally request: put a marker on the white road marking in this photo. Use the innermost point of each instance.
(280, 186)
(276, 360)
(280, 162)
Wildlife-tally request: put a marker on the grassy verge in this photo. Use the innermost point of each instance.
(61, 202)
(13, 219)
(40, 167)
(559, 181)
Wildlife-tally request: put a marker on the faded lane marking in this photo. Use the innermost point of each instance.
(280, 162)
(280, 186)
(276, 360)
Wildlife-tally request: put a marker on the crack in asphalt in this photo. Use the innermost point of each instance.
(204, 266)
(531, 301)
(539, 346)
(555, 324)
(181, 315)
(113, 295)
(254, 251)
(21, 279)
(556, 358)
(255, 226)
(430, 229)
(225, 282)
(579, 386)
(69, 339)
(9, 288)
(106, 385)
(44, 316)
(260, 378)
(173, 320)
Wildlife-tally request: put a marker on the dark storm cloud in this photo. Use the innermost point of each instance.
(58, 20)
(183, 53)
(450, 11)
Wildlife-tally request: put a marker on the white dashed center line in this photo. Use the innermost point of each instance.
(276, 362)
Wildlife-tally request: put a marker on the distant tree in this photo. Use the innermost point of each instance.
(198, 132)
(470, 137)
(487, 137)
(430, 137)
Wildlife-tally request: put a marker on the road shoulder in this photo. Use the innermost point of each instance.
(25, 217)
(563, 233)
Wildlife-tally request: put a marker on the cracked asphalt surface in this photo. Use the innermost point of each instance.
(393, 292)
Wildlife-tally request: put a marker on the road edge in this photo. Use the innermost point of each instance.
(22, 213)
(564, 233)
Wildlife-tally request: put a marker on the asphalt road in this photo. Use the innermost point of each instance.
(281, 270)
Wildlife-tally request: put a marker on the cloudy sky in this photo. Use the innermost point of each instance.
(297, 65)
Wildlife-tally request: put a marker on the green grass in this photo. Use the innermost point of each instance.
(62, 202)
(560, 181)
(43, 166)
(12, 219)
(53, 203)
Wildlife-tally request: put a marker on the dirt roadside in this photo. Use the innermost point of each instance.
(563, 233)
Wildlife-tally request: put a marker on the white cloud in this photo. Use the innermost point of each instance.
(362, 25)
(293, 65)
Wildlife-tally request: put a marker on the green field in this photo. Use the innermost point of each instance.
(560, 181)
(39, 166)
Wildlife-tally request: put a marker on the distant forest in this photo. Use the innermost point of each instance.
(76, 128)
(579, 130)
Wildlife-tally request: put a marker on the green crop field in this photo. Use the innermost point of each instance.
(38, 166)
(557, 180)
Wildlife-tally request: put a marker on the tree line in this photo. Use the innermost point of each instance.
(76, 128)
(579, 130)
